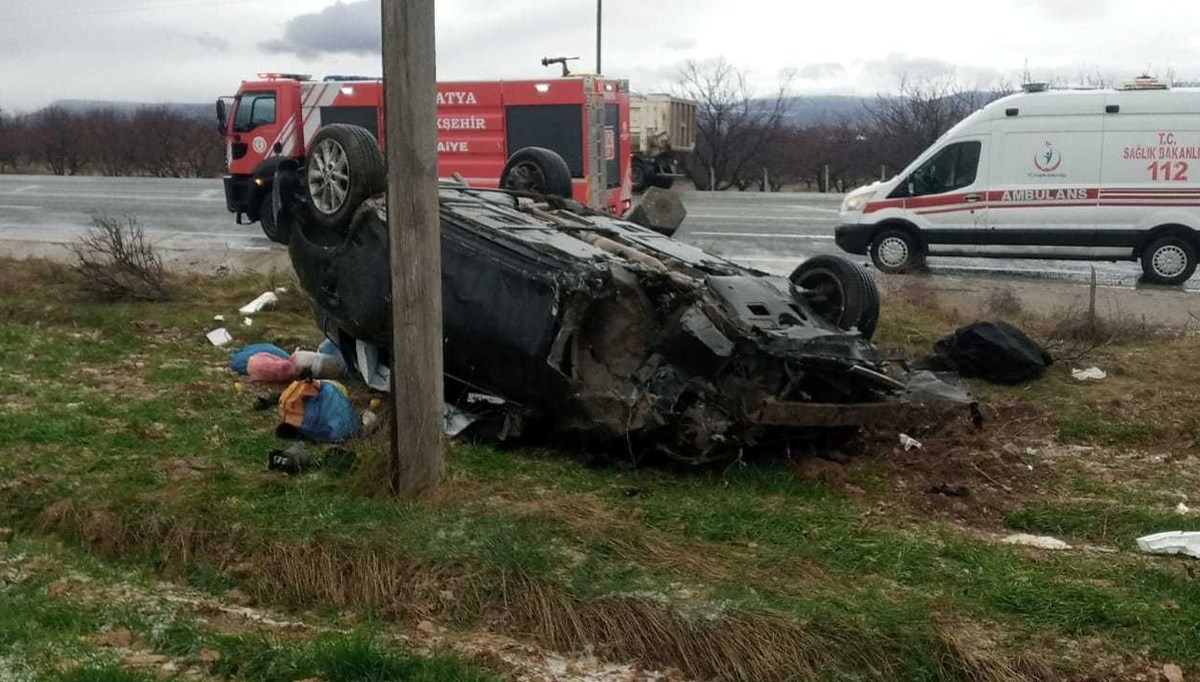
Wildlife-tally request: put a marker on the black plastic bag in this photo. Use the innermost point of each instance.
(994, 351)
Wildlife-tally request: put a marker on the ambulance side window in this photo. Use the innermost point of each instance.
(254, 109)
(954, 167)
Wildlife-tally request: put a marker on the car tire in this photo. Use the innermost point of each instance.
(894, 251)
(537, 170)
(839, 291)
(270, 226)
(1169, 260)
(343, 168)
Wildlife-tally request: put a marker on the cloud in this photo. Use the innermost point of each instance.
(343, 27)
(681, 44)
(205, 40)
(821, 71)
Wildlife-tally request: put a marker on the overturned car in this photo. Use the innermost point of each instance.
(596, 332)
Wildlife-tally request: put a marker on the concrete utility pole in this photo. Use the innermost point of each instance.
(415, 238)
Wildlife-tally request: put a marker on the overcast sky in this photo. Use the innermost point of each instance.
(193, 50)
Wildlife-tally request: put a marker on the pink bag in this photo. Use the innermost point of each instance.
(271, 369)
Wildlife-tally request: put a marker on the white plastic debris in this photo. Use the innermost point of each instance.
(321, 366)
(1171, 542)
(219, 337)
(247, 322)
(280, 290)
(1089, 374)
(218, 318)
(1039, 541)
(1182, 508)
(370, 422)
(908, 442)
(268, 298)
(375, 374)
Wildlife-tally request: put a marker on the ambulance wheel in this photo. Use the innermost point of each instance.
(840, 291)
(344, 167)
(537, 170)
(1169, 260)
(894, 250)
(270, 226)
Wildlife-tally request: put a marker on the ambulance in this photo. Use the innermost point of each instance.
(1058, 174)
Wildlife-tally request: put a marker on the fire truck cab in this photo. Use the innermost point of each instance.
(482, 126)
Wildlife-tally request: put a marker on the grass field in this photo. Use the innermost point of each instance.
(130, 465)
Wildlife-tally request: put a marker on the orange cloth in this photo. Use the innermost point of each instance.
(291, 401)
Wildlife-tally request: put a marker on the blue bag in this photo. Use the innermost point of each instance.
(239, 359)
(328, 416)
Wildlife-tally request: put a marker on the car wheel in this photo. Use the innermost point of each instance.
(270, 226)
(841, 292)
(1169, 260)
(537, 170)
(344, 167)
(895, 251)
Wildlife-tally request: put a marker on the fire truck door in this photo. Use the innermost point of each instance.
(255, 127)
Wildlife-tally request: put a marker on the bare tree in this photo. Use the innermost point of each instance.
(57, 140)
(9, 134)
(733, 126)
(906, 123)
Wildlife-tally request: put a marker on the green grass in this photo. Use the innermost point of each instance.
(109, 400)
(1094, 429)
(59, 633)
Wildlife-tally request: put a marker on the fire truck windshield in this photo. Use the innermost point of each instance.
(254, 109)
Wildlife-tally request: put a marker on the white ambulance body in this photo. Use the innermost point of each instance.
(1073, 174)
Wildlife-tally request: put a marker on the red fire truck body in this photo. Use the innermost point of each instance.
(584, 119)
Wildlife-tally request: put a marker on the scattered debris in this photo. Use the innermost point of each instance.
(319, 365)
(1039, 541)
(1182, 508)
(239, 359)
(247, 322)
(318, 410)
(270, 369)
(370, 422)
(1171, 542)
(951, 490)
(1089, 374)
(994, 351)
(220, 337)
(266, 299)
(218, 318)
(909, 443)
(291, 460)
(1172, 673)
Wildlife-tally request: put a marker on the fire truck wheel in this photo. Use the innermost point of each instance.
(270, 226)
(841, 292)
(539, 170)
(344, 168)
(638, 173)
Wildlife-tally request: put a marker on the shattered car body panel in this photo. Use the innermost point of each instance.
(600, 331)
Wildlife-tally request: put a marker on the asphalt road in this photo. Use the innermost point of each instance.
(771, 232)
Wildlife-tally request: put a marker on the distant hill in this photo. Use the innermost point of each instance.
(813, 109)
(809, 110)
(189, 109)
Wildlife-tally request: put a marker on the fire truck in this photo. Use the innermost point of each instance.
(566, 136)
